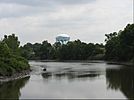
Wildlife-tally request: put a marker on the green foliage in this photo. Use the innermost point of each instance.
(78, 50)
(13, 43)
(120, 46)
(27, 51)
(45, 50)
(75, 50)
(112, 47)
(38, 51)
(4, 49)
(10, 61)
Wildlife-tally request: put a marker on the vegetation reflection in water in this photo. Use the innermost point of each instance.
(121, 79)
(116, 78)
(11, 89)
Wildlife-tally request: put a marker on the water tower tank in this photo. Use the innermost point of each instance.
(62, 38)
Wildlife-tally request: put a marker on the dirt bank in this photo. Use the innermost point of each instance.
(22, 74)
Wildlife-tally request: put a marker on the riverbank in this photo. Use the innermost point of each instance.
(121, 63)
(26, 73)
(15, 76)
(89, 61)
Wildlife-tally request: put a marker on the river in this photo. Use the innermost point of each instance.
(72, 80)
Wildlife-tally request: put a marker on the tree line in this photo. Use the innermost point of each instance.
(119, 47)
(73, 50)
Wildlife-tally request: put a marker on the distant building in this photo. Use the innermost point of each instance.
(62, 38)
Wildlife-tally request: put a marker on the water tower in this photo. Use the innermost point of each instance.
(62, 38)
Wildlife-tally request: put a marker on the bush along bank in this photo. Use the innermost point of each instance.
(10, 60)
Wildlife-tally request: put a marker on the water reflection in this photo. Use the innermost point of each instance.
(11, 90)
(47, 75)
(121, 79)
(71, 75)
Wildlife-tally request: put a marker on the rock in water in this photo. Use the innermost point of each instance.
(44, 69)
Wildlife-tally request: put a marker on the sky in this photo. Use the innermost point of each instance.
(88, 20)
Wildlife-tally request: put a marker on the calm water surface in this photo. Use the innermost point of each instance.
(72, 80)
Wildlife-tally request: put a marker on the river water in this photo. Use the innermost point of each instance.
(72, 80)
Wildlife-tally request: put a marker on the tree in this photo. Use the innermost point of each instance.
(4, 50)
(127, 42)
(120, 46)
(10, 60)
(27, 51)
(112, 45)
(13, 43)
(45, 50)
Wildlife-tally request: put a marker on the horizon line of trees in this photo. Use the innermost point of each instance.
(119, 47)
(73, 50)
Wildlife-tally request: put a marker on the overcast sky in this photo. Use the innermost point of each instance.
(87, 20)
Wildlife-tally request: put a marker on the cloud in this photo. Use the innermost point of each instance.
(87, 20)
(45, 2)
